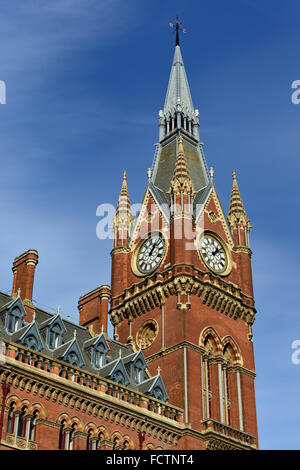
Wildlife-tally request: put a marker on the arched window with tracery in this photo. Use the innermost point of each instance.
(89, 440)
(11, 418)
(115, 442)
(232, 391)
(22, 423)
(61, 442)
(229, 357)
(72, 436)
(33, 425)
(211, 348)
(99, 441)
(125, 445)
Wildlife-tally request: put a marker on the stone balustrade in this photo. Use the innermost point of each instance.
(211, 425)
(91, 381)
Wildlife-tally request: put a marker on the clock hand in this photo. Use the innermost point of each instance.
(154, 245)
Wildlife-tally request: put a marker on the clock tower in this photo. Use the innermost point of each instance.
(181, 286)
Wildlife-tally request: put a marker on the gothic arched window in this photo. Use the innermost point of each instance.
(33, 425)
(22, 423)
(118, 377)
(99, 440)
(11, 418)
(73, 359)
(99, 356)
(157, 393)
(89, 440)
(71, 437)
(31, 342)
(55, 336)
(138, 371)
(14, 320)
(61, 442)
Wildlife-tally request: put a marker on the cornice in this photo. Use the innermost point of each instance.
(119, 249)
(242, 249)
(215, 292)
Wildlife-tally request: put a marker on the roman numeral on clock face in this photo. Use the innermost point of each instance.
(213, 253)
(151, 253)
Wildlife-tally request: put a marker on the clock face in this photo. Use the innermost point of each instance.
(151, 253)
(213, 253)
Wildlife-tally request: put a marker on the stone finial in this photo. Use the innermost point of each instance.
(123, 212)
(181, 180)
(237, 214)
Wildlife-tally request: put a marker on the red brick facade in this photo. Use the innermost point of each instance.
(181, 303)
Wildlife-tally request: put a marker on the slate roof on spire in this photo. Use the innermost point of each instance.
(178, 92)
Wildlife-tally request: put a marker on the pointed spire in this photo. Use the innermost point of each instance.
(236, 204)
(123, 215)
(178, 92)
(237, 216)
(181, 180)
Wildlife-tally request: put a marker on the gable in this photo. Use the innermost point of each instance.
(14, 311)
(73, 355)
(119, 374)
(212, 217)
(158, 390)
(150, 218)
(31, 338)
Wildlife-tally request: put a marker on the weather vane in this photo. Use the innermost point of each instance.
(177, 26)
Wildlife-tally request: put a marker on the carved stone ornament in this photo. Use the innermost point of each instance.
(213, 217)
(147, 334)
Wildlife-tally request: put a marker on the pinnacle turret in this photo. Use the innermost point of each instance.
(237, 216)
(123, 216)
(181, 180)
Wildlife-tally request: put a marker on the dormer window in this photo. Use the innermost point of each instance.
(55, 333)
(99, 359)
(73, 359)
(31, 338)
(55, 336)
(31, 342)
(139, 371)
(118, 377)
(158, 393)
(14, 320)
(138, 368)
(119, 374)
(73, 355)
(99, 352)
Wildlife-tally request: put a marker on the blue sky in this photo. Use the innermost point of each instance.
(85, 81)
